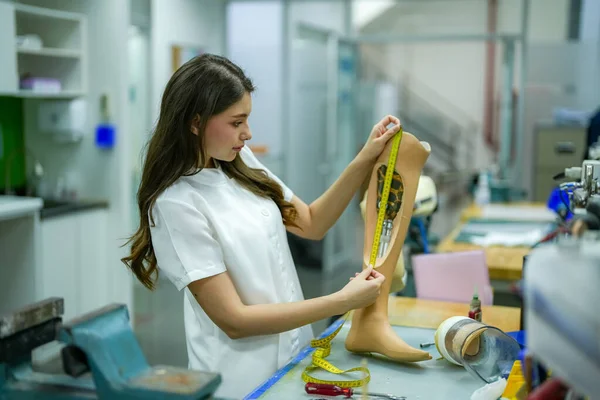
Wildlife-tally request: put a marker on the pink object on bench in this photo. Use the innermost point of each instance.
(452, 276)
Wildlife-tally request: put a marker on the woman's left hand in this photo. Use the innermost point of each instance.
(379, 137)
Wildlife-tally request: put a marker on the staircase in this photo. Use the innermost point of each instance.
(452, 142)
(452, 134)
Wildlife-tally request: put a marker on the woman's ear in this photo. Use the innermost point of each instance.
(195, 127)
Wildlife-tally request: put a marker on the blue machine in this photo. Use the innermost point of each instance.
(101, 359)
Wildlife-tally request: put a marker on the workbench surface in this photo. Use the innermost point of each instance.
(512, 211)
(415, 320)
(18, 206)
(504, 263)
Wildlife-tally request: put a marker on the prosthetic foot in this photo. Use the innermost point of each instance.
(371, 331)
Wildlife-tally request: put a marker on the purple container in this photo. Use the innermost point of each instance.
(46, 85)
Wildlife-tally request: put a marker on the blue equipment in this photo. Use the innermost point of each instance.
(101, 359)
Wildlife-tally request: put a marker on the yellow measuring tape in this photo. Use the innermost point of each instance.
(385, 194)
(323, 346)
(323, 349)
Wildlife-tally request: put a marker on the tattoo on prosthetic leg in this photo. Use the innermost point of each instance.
(391, 208)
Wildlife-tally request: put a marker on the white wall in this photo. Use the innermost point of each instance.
(140, 12)
(451, 75)
(198, 23)
(139, 90)
(590, 20)
(590, 33)
(363, 11)
(325, 14)
(255, 40)
(99, 174)
(139, 106)
(548, 19)
(307, 130)
(456, 69)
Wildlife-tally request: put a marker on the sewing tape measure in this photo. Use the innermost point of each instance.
(323, 349)
(323, 346)
(385, 195)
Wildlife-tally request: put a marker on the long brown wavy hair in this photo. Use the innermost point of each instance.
(205, 86)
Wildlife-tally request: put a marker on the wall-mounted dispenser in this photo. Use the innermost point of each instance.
(63, 119)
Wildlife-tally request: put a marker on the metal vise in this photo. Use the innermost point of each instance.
(584, 193)
(588, 185)
(101, 359)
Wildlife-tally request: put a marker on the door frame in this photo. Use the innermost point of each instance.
(332, 260)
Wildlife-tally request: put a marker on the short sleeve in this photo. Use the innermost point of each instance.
(251, 161)
(185, 247)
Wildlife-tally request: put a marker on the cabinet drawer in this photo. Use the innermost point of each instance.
(76, 261)
(60, 275)
(560, 147)
(544, 184)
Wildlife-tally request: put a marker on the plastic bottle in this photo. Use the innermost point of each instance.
(59, 189)
(475, 307)
(482, 193)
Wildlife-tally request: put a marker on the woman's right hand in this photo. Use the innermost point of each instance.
(363, 289)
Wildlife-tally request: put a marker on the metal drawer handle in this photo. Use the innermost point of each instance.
(564, 148)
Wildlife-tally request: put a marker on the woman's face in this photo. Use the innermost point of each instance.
(226, 132)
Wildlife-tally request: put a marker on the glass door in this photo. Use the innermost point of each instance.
(325, 78)
(344, 242)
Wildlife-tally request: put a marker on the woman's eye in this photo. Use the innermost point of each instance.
(237, 124)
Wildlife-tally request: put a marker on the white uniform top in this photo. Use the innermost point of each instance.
(207, 224)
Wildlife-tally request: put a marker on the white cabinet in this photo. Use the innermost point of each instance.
(46, 45)
(19, 237)
(59, 260)
(75, 261)
(95, 275)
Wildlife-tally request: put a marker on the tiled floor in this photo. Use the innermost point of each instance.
(159, 314)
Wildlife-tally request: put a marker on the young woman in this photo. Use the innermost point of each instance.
(214, 220)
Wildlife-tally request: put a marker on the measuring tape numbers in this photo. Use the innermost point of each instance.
(385, 195)
(323, 349)
(323, 346)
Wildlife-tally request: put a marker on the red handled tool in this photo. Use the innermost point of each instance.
(333, 390)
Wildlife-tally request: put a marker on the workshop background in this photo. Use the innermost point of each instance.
(502, 90)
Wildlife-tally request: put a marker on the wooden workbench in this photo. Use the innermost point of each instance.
(474, 211)
(415, 320)
(504, 263)
(420, 313)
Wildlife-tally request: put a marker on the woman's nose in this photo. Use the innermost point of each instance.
(247, 135)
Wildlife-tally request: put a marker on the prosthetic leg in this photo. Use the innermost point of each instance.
(371, 331)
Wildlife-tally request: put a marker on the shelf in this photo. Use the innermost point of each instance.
(66, 94)
(66, 70)
(26, 94)
(56, 29)
(62, 56)
(51, 52)
(47, 13)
